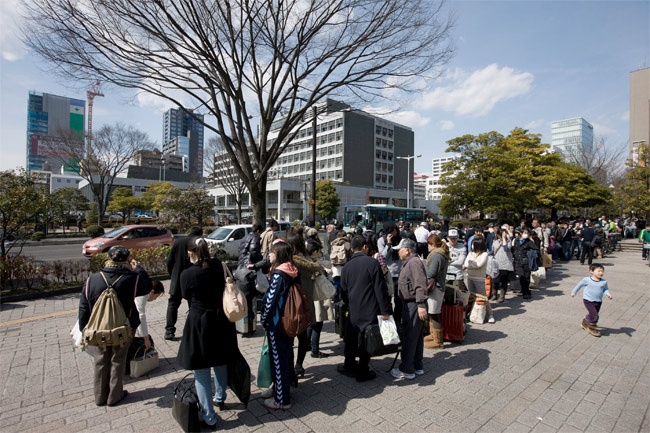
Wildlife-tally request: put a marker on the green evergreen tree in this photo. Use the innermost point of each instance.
(327, 200)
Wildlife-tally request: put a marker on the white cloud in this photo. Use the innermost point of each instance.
(446, 125)
(409, 118)
(534, 124)
(625, 116)
(477, 93)
(11, 47)
(601, 129)
(159, 103)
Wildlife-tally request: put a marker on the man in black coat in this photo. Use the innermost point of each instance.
(250, 252)
(364, 291)
(177, 262)
(129, 281)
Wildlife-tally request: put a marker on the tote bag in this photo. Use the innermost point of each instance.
(146, 362)
(264, 379)
(323, 289)
(234, 302)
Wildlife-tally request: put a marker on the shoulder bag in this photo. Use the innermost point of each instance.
(234, 302)
(323, 289)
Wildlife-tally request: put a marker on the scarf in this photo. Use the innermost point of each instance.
(289, 269)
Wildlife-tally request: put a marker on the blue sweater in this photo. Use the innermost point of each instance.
(593, 290)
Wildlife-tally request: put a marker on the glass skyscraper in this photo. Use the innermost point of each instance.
(572, 139)
(178, 122)
(51, 119)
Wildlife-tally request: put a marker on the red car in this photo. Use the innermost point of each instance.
(131, 237)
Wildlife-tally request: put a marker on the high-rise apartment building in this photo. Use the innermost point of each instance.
(420, 186)
(183, 136)
(572, 139)
(352, 147)
(55, 125)
(639, 110)
(433, 185)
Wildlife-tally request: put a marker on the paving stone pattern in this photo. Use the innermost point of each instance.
(535, 369)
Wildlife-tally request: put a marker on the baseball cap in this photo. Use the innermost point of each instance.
(453, 233)
(118, 253)
(407, 243)
(312, 232)
(423, 223)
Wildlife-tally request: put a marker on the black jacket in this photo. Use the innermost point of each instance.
(209, 338)
(250, 250)
(132, 284)
(520, 256)
(363, 289)
(177, 262)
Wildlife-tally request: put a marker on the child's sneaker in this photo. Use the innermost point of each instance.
(590, 328)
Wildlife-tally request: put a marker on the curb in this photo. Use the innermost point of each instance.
(46, 242)
(57, 292)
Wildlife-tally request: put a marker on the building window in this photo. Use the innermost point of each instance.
(378, 130)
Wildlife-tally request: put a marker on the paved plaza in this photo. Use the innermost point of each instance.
(535, 369)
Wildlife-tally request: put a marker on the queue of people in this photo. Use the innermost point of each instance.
(396, 272)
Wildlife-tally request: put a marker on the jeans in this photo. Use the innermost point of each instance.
(204, 390)
(576, 243)
(566, 249)
(313, 332)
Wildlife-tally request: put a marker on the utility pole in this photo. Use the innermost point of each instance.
(408, 177)
(313, 165)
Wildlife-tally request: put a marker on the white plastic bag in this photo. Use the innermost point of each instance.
(76, 335)
(261, 282)
(478, 314)
(388, 331)
(541, 273)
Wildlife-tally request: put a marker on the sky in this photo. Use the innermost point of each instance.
(516, 64)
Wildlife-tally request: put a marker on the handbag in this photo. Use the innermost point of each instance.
(478, 313)
(547, 260)
(185, 408)
(261, 282)
(541, 273)
(145, 363)
(374, 342)
(323, 289)
(234, 302)
(264, 379)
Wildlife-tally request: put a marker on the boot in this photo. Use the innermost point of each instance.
(590, 328)
(502, 296)
(437, 342)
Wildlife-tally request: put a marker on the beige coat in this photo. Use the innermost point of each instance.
(266, 241)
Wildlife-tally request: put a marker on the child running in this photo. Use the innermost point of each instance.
(592, 296)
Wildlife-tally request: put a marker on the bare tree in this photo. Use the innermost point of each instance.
(605, 163)
(223, 174)
(109, 154)
(245, 60)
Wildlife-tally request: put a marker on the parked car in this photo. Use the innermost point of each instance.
(227, 238)
(131, 237)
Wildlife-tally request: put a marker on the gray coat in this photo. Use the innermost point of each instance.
(503, 256)
(436, 267)
(393, 263)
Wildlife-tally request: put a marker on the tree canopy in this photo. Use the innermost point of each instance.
(20, 203)
(246, 62)
(327, 200)
(509, 174)
(124, 203)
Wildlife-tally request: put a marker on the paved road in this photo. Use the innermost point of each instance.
(535, 370)
(54, 252)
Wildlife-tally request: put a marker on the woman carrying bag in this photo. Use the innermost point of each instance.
(436, 268)
(475, 266)
(283, 276)
(209, 338)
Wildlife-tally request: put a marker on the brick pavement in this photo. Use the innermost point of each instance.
(534, 370)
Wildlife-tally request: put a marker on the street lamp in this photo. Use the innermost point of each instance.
(408, 180)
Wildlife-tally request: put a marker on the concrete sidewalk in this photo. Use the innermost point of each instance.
(535, 369)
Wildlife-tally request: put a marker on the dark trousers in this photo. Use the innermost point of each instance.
(587, 250)
(397, 311)
(524, 282)
(313, 332)
(354, 346)
(593, 308)
(413, 344)
(110, 363)
(279, 348)
(303, 347)
(502, 280)
(566, 250)
(422, 249)
(174, 302)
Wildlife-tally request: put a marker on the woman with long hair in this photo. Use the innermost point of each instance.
(283, 275)
(501, 249)
(476, 266)
(209, 338)
(436, 268)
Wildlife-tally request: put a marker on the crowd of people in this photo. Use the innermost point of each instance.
(399, 271)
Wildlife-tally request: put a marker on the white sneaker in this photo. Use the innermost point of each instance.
(399, 374)
(267, 393)
(491, 319)
(419, 372)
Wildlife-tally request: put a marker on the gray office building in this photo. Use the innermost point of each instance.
(639, 110)
(183, 136)
(572, 139)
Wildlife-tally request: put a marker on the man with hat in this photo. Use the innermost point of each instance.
(457, 255)
(412, 289)
(129, 280)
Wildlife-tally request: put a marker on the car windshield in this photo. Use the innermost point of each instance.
(115, 233)
(220, 234)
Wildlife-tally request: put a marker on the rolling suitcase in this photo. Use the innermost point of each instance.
(453, 321)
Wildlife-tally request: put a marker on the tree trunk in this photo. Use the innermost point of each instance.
(258, 201)
(239, 211)
(553, 214)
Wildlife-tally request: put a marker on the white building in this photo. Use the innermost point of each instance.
(420, 186)
(433, 186)
(572, 138)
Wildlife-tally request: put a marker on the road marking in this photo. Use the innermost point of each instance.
(39, 317)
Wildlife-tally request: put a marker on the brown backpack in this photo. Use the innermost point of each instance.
(297, 314)
(108, 324)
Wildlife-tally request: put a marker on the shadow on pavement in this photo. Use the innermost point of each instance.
(7, 307)
(609, 331)
(475, 361)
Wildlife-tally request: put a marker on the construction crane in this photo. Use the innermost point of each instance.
(90, 95)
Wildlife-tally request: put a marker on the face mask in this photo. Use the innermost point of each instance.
(524, 236)
(194, 261)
